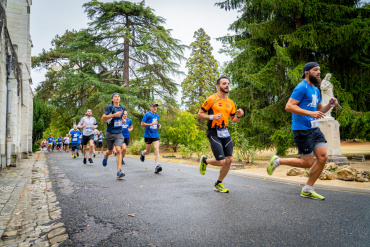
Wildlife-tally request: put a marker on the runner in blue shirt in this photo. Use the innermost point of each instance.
(75, 134)
(151, 135)
(126, 129)
(59, 143)
(50, 143)
(305, 104)
(113, 137)
(54, 144)
(100, 141)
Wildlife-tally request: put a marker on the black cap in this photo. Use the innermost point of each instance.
(309, 66)
(153, 104)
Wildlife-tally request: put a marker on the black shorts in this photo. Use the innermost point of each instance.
(150, 140)
(100, 144)
(221, 147)
(86, 139)
(307, 140)
(95, 143)
(127, 141)
(75, 146)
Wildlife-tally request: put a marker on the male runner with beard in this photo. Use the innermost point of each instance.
(305, 104)
(217, 109)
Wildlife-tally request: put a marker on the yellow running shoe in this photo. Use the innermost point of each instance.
(312, 195)
(220, 188)
(202, 165)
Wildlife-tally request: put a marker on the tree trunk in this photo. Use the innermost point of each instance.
(126, 54)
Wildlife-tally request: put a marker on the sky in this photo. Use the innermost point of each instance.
(52, 17)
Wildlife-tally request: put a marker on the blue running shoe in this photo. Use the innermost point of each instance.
(120, 174)
(105, 161)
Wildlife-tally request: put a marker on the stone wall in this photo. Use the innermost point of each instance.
(15, 40)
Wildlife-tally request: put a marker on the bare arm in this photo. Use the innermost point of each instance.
(326, 108)
(237, 116)
(147, 125)
(203, 115)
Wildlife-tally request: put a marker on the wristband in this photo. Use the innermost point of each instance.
(114, 114)
(210, 117)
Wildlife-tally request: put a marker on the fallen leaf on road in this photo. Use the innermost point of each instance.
(131, 215)
(264, 178)
(31, 189)
(283, 213)
(179, 169)
(88, 225)
(47, 190)
(25, 177)
(141, 186)
(146, 168)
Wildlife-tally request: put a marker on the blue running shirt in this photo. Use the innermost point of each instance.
(114, 125)
(308, 97)
(125, 132)
(151, 131)
(75, 136)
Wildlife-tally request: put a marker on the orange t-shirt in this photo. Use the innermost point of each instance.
(214, 105)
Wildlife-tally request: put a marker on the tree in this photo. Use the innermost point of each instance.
(274, 39)
(42, 115)
(202, 73)
(73, 81)
(144, 49)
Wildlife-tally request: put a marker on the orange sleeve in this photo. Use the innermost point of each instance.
(207, 104)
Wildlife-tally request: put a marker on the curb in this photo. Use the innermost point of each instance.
(298, 183)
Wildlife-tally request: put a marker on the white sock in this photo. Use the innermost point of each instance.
(277, 161)
(156, 164)
(307, 188)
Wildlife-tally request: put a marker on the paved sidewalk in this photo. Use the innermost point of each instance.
(29, 212)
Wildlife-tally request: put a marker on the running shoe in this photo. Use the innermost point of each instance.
(312, 195)
(74, 157)
(77, 154)
(142, 156)
(220, 188)
(90, 160)
(94, 155)
(123, 162)
(202, 165)
(85, 161)
(272, 165)
(120, 174)
(158, 169)
(105, 161)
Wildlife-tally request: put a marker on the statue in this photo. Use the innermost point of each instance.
(327, 93)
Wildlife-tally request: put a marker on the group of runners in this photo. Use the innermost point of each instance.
(304, 104)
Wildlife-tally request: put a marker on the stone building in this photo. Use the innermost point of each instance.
(16, 96)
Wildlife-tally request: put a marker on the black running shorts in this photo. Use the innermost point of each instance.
(127, 141)
(221, 147)
(100, 144)
(86, 139)
(307, 140)
(150, 140)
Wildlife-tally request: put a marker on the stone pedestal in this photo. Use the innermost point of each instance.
(330, 128)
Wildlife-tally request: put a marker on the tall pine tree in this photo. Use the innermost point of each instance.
(146, 52)
(202, 73)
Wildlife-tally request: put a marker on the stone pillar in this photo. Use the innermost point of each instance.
(330, 128)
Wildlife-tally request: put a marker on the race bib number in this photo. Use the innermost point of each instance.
(125, 126)
(155, 126)
(88, 130)
(74, 139)
(223, 133)
(314, 123)
(117, 123)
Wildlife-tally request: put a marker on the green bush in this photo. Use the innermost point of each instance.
(35, 148)
(283, 140)
(136, 146)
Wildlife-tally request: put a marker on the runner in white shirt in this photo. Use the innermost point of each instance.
(96, 136)
(88, 125)
(66, 143)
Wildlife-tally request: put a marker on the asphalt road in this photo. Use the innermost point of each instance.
(178, 207)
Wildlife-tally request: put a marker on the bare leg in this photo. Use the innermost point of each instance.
(91, 148)
(318, 166)
(84, 150)
(147, 149)
(156, 151)
(118, 158)
(124, 149)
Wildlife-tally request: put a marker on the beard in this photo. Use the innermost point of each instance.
(224, 90)
(315, 81)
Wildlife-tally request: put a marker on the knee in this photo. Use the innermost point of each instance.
(308, 163)
(156, 150)
(322, 158)
(229, 160)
